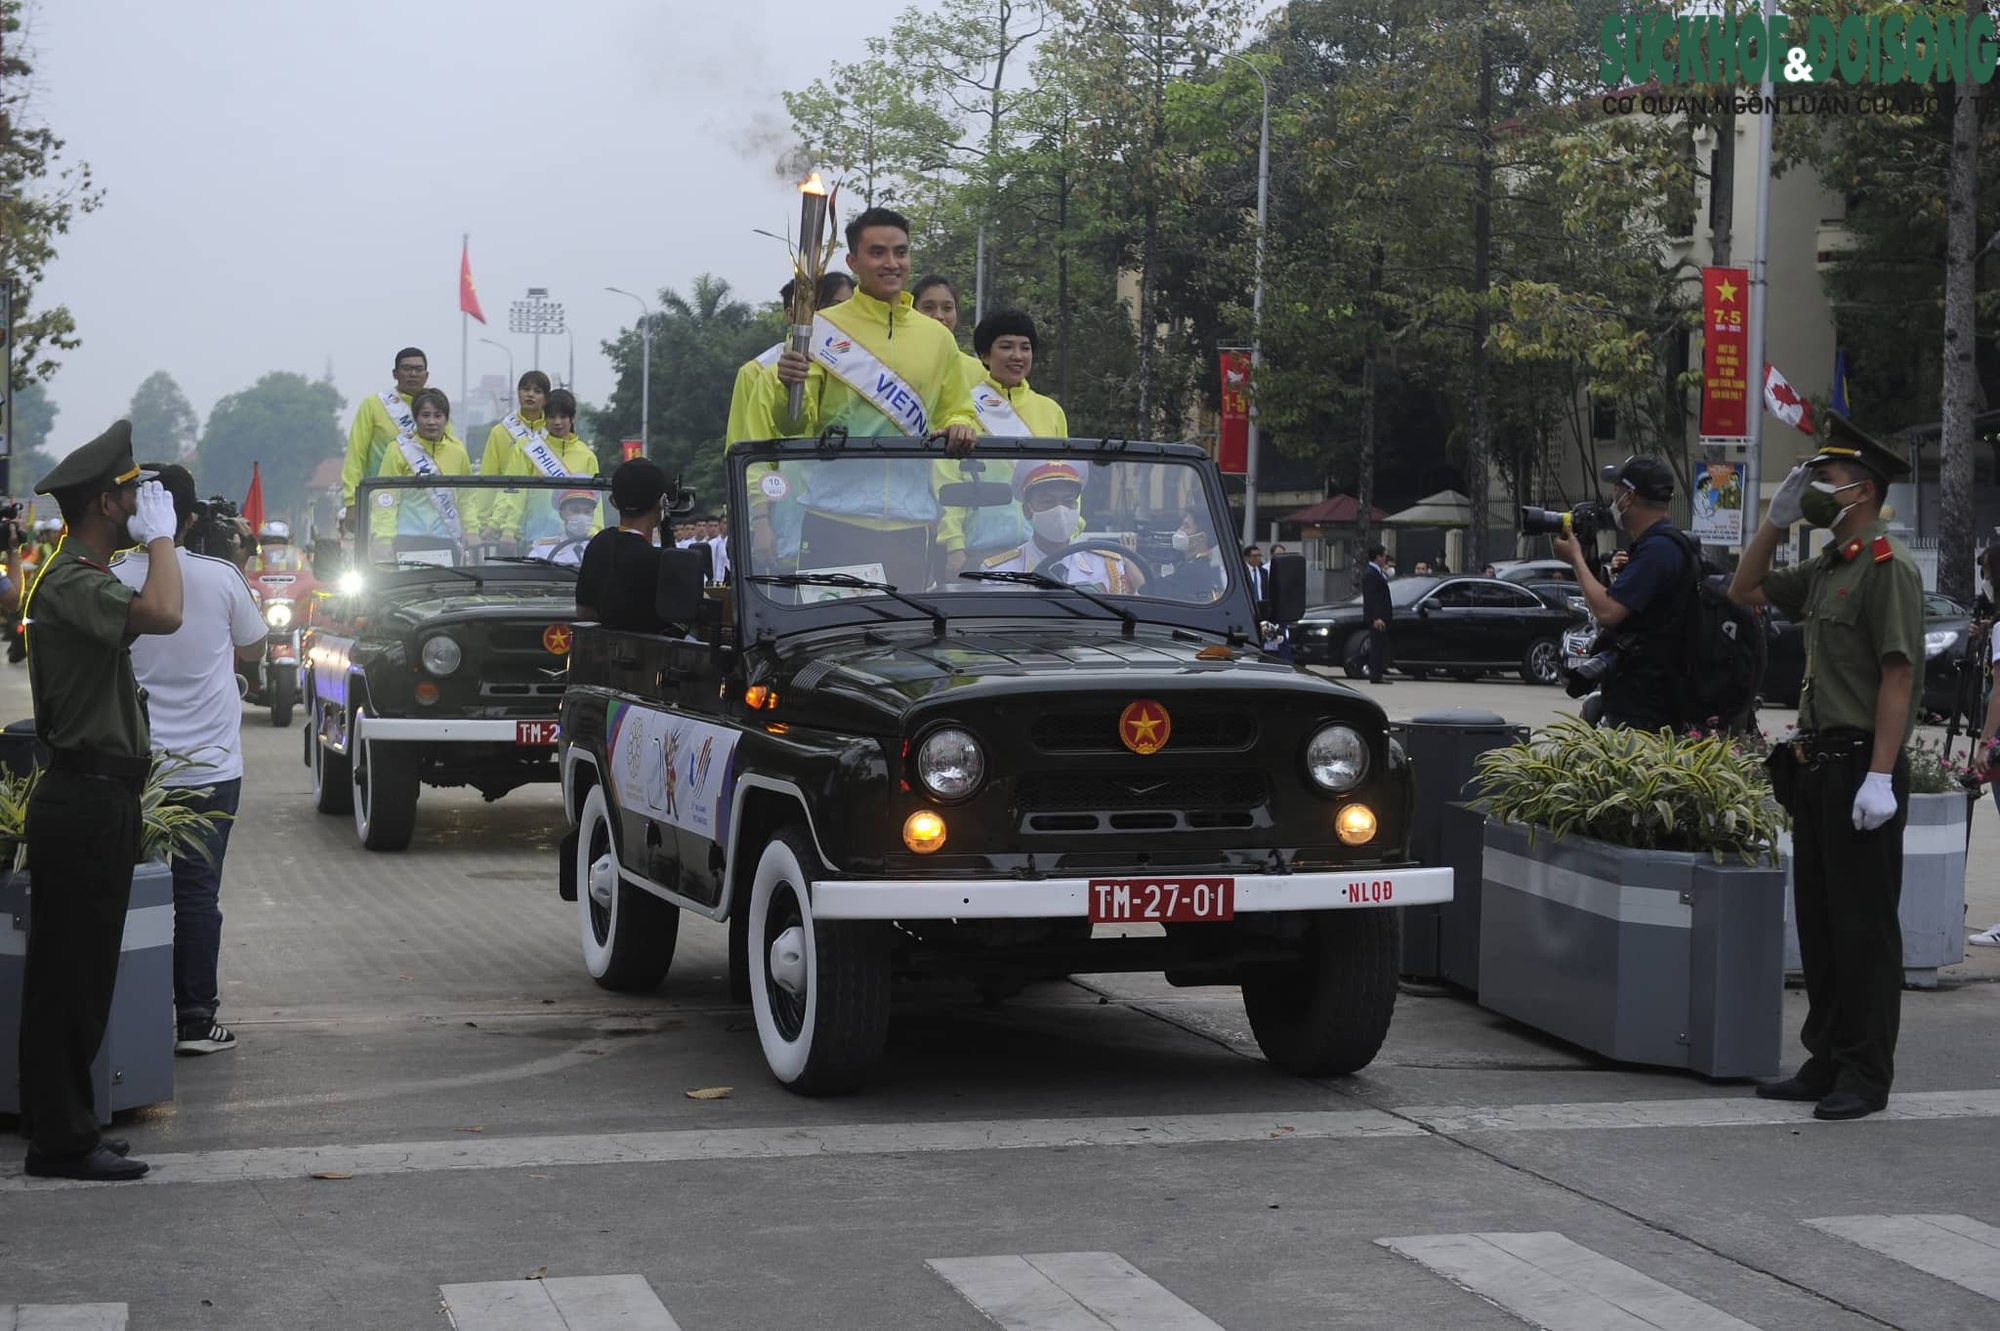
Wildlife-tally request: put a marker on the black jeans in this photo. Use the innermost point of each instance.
(1846, 887)
(83, 839)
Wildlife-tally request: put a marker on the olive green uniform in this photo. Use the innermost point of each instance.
(1861, 603)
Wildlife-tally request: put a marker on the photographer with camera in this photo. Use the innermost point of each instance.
(1642, 613)
(13, 540)
(190, 680)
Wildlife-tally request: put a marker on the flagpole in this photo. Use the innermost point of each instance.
(1753, 461)
(464, 330)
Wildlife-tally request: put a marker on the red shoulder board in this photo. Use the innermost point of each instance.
(1883, 554)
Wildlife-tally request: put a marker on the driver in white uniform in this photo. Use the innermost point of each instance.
(578, 509)
(1051, 495)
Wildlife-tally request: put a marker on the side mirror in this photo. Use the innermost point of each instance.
(975, 494)
(1285, 588)
(1426, 606)
(677, 597)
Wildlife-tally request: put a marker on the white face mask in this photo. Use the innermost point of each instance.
(1054, 525)
(576, 524)
(1180, 542)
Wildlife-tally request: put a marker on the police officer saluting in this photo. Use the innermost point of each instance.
(1845, 780)
(83, 820)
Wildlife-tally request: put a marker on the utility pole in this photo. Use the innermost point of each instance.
(1754, 454)
(1257, 298)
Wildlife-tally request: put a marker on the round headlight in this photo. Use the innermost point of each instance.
(278, 614)
(352, 583)
(1337, 758)
(441, 655)
(950, 763)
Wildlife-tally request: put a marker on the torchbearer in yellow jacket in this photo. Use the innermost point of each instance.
(379, 419)
(875, 369)
(1008, 409)
(745, 420)
(432, 450)
(550, 449)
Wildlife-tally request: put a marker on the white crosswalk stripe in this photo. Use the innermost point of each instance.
(1951, 1247)
(63, 1316)
(1068, 1291)
(1550, 1282)
(570, 1303)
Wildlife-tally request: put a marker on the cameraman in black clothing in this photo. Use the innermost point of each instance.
(1643, 611)
(621, 566)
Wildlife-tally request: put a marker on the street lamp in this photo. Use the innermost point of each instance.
(645, 364)
(508, 352)
(1257, 296)
(570, 382)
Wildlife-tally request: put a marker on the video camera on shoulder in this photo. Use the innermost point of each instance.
(1583, 522)
(12, 533)
(218, 532)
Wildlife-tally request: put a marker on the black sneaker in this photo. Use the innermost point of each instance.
(211, 1039)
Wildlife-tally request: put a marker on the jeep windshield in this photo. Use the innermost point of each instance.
(1136, 529)
(460, 522)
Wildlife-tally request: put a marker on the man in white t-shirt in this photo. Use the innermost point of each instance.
(197, 714)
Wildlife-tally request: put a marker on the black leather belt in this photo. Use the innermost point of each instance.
(1833, 746)
(96, 762)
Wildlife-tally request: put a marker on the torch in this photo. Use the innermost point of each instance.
(809, 262)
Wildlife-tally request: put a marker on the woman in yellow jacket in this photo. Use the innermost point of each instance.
(403, 512)
(1007, 407)
(528, 515)
(936, 298)
(503, 455)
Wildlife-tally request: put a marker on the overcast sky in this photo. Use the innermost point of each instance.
(285, 185)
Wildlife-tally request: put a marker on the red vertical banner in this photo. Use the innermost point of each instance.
(1725, 350)
(631, 448)
(1232, 446)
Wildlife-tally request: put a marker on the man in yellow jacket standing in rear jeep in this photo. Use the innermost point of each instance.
(877, 368)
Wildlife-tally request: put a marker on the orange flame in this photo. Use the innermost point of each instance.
(812, 185)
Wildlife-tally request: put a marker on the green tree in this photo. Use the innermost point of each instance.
(43, 195)
(867, 124)
(164, 425)
(34, 421)
(286, 424)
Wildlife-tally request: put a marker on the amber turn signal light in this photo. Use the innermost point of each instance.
(1355, 825)
(923, 831)
(760, 697)
(427, 692)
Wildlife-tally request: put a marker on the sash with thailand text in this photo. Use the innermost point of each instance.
(997, 415)
(842, 356)
(535, 444)
(421, 464)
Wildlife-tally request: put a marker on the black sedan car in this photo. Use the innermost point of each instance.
(1467, 626)
(1947, 627)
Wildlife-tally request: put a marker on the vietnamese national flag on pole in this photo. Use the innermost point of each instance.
(253, 501)
(468, 298)
(1784, 400)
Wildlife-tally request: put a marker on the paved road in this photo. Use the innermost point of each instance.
(1105, 1153)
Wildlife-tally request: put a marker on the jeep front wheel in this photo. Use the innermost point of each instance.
(384, 779)
(628, 933)
(819, 988)
(1328, 1016)
(332, 777)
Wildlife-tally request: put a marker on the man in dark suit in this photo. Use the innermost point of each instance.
(1377, 611)
(1254, 570)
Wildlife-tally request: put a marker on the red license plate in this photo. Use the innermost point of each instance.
(1161, 900)
(535, 732)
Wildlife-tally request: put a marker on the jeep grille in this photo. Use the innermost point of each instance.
(1096, 731)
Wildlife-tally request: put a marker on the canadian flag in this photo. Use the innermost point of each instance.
(1784, 400)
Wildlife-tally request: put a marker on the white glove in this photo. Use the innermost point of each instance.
(1874, 803)
(155, 518)
(1784, 508)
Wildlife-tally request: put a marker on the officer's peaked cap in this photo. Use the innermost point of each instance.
(104, 462)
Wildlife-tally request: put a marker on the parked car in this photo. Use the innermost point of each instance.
(1465, 626)
(429, 665)
(1947, 629)
(1535, 570)
(869, 780)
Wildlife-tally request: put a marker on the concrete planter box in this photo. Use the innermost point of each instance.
(135, 1066)
(1932, 908)
(1641, 956)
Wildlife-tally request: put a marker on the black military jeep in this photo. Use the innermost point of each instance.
(952, 716)
(436, 661)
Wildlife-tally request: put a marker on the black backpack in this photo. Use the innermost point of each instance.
(1726, 649)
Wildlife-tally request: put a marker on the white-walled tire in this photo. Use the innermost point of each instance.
(384, 781)
(332, 777)
(628, 934)
(819, 988)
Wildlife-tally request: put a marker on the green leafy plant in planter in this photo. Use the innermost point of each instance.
(1933, 771)
(168, 825)
(1643, 790)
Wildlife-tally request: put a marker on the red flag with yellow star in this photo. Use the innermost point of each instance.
(468, 299)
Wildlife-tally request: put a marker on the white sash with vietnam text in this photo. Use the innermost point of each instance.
(421, 464)
(535, 444)
(843, 356)
(996, 414)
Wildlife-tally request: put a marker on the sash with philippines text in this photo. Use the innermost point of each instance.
(843, 357)
(996, 414)
(535, 444)
(421, 464)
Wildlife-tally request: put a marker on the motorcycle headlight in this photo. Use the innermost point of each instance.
(441, 655)
(950, 763)
(351, 583)
(1939, 641)
(1336, 758)
(278, 614)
